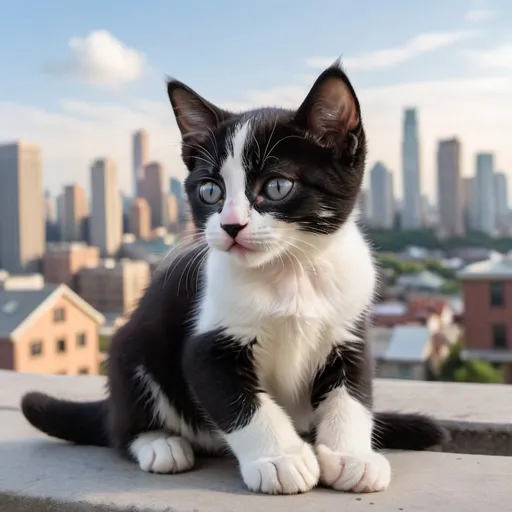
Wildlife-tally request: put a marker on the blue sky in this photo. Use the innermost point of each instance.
(240, 53)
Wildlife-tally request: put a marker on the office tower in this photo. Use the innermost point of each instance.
(50, 210)
(22, 212)
(170, 211)
(153, 192)
(176, 189)
(140, 218)
(411, 213)
(382, 197)
(449, 188)
(470, 202)
(486, 202)
(140, 159)
(106, 212)
(501, 199)
(75, 213)
(365, 207)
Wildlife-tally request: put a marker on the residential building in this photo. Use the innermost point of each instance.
(449, 188)
(486, 204)
(114, 287)
(140, 218)
(501, 199)
(140, 159)
(421, 281)
(75, 213)
(63, 261)
(20, 281)
(22, 209)
(49, 330)
(411, 212)
(153, 192)
(382, 197)
(106, 213)
(487, 319)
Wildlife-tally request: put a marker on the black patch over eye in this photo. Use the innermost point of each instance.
(277, 188)
(210, 192)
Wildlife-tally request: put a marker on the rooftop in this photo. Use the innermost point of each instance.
(498, 266)
(408, 344)
(42, 475)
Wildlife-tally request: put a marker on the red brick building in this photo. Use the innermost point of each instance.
(487, 320)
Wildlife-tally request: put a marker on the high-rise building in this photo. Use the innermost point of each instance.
(449, 188)
(153, 192)
(485, 193)
(170, 211)
(75, 213)
(382, 197)
(22, 211)
(106, 212)
(470, 202)
(411, 213)
(140, 218)
(50, 210)
(140, 159)
(176, 190)
(501, 199)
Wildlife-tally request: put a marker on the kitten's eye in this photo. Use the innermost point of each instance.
(278, 188)
(210, 192)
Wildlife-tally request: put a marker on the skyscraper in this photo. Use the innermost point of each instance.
(486, 204)
(176, 190)
(449, 188)
(106, 211)
(382, 197)
(22, 210)
(75, 213)
(411, 213)
(501, 199)
(153, 192)
(470, 202)
(140, 159)
(140, 218)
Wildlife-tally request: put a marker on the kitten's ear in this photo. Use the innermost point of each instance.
(331, 109)
(195, 116)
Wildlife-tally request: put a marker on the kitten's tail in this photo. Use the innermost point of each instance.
(77, 422)
(396, 431)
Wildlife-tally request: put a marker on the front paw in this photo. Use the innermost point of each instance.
(356, 472)
(289, 473)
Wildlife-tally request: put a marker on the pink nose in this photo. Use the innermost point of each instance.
(233, 229)
(231, 214)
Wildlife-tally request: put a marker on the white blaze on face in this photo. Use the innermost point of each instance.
(236, 206)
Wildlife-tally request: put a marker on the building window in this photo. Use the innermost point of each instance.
(83, 371)
(81, 339)
(59, 315)
(499, 336)
(61, 346)
(36, 348)
(497, 291)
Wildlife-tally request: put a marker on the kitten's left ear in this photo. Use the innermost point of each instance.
(331, 111)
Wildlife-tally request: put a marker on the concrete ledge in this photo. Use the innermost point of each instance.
(40, 474)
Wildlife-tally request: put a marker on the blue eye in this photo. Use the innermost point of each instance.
(278, 188)
(210, 192)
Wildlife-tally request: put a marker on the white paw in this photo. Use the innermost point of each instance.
(157, 452)
(356, 472)
(290, 473)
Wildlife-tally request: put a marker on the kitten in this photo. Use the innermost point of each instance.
(253, 338)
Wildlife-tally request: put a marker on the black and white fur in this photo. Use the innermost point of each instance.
(253, 338)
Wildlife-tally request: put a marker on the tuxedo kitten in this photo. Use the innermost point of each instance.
(253, 339)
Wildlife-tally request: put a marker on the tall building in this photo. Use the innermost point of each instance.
(140, 218)
(470, 202)
(411, 213)
(140, 159)
(153, 192)
(50, 210)
(170, 211)
(22, 209)
(449, 188)
(106, 212)
(486, 203)
(382, 197)
(176, 190)
(501, 200)
(75, 213)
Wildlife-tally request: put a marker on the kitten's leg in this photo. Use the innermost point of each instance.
(344, 422)
(272, 456)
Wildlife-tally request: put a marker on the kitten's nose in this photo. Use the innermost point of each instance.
(233, 229)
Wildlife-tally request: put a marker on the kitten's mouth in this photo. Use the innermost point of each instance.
(238, 248)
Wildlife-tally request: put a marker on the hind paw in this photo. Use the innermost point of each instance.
(157, 452)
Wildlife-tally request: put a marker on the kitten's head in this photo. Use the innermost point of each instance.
(272, 184)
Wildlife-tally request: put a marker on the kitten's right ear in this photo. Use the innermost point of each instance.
(195, 116)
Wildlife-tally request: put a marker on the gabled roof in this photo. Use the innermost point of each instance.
(408, 343)
(18, 308)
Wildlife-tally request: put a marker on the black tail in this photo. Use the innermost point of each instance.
(76, 422)
(396, 431)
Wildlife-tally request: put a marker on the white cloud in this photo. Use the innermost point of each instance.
(100, 59)
(476, 15)
(390, 57)
(499, 57)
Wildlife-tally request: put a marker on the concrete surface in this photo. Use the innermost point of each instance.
(40, 474)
